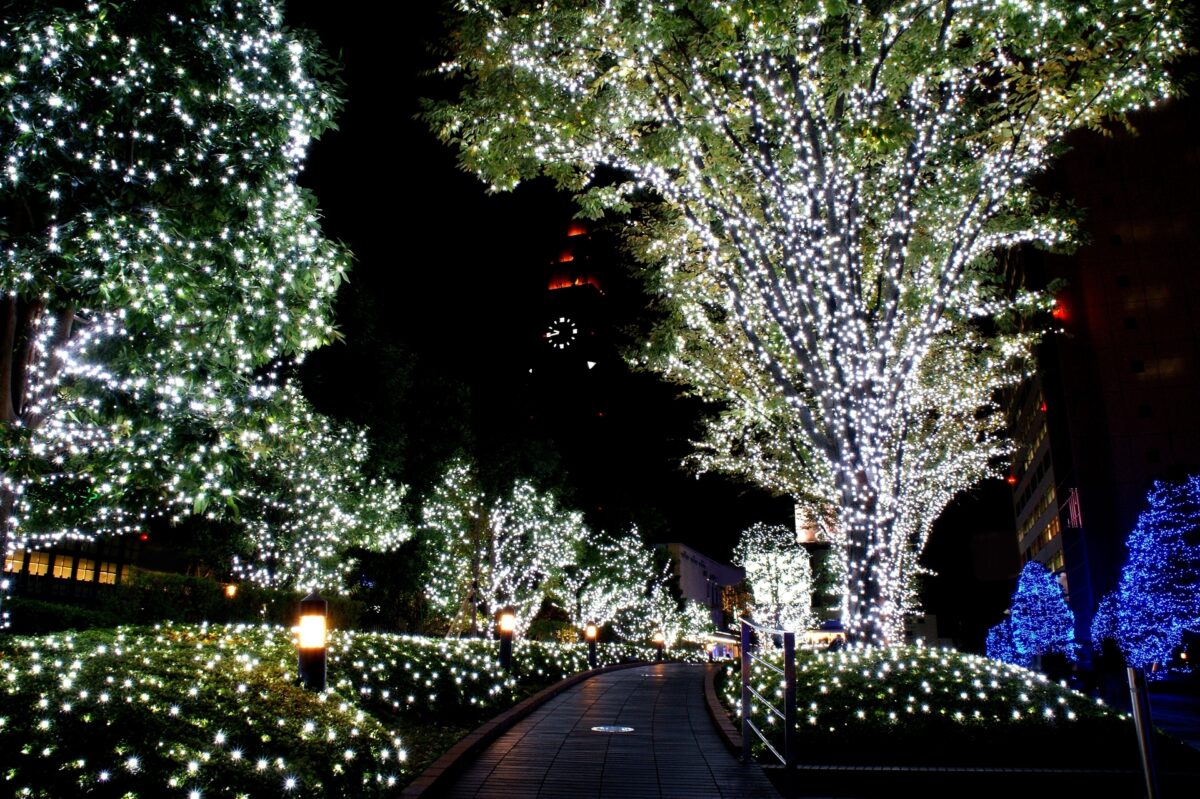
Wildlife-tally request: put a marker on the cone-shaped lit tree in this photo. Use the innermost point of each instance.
(1158, 596)
(1041, 621)
(833, 180)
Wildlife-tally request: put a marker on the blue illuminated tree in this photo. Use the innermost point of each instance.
(1157, 600)
(1041, 621)
(1000, 645)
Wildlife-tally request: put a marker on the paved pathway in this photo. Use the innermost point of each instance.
(672, 752)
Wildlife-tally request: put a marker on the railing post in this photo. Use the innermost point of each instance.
(1140, 699)
(745, 653)
(789, 711)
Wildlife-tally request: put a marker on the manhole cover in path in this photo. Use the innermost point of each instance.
(611, 728)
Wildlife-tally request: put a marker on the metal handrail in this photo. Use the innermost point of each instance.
(788, 713)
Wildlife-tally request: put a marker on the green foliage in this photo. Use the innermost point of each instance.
(216, 709)
(163, 270)
(833, 180)
(930, 707)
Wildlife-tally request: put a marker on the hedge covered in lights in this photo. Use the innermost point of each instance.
(212, 710)
(915, 706)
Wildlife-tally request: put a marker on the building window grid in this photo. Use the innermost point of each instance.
(1045, 502)
(63, 567)
(63, 564)
(14, 561)
(108, 573)
(86, 570)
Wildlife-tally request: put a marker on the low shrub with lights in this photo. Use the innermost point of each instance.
(214, 710)
(914, 706)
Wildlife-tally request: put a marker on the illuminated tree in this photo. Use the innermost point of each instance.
(611, 576)
(1158, 596)
(160, 266)
(1000, 645)
(779, 572)
(1040, 619)
(833, 181)
(487, 555)
(660, 612)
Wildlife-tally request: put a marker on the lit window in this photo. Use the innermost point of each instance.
(39, 563)
(14, 560)
(62, 566)
(108, 573)
(86, 570)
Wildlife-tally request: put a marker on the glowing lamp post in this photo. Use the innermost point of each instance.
(590, 632)
(311, 649)
(508, 621)
(660, 642)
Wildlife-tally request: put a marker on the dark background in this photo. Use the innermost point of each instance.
(445, 315)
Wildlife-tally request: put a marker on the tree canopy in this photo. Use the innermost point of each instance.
(162, 271)
(1157, 597)
(831, 182)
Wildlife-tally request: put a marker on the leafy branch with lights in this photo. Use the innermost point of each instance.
(162, 268)
(833, 184)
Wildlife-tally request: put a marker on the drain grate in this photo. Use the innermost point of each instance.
(611, 728)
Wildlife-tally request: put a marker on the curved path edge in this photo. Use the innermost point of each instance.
(443, 770)
(730, 735)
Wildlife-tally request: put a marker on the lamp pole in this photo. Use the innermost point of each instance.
(314, 612)
(660, 641)
(590, 632)
(508, 622)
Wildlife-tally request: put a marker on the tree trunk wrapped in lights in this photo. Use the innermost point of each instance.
(833, 181)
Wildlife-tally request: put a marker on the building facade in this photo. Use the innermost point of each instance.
(1112, 407)
(701, 578)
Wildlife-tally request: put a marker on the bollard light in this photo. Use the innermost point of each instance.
(660, 641)
(591, 632)
(508, 622)
(311, 647)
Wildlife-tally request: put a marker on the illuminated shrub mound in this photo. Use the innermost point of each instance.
(212, 710)
(932, 707)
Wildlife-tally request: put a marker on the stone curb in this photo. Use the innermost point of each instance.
(716, 711)
(436, 777)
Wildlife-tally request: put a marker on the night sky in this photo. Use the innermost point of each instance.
(454, 281)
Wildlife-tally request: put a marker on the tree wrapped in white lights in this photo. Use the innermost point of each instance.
(834, 179)
(487, 555)
(611, 576)
(779, 572)
(159, 256)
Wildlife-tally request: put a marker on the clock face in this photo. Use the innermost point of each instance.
(561, 333)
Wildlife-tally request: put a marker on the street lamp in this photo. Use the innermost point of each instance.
(508, 621)
(660, 641)
(311, 649)
(590, 632)
(231, 590)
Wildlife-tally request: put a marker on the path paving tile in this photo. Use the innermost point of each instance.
(673, 750)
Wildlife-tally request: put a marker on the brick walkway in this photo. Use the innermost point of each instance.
(673, 751)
